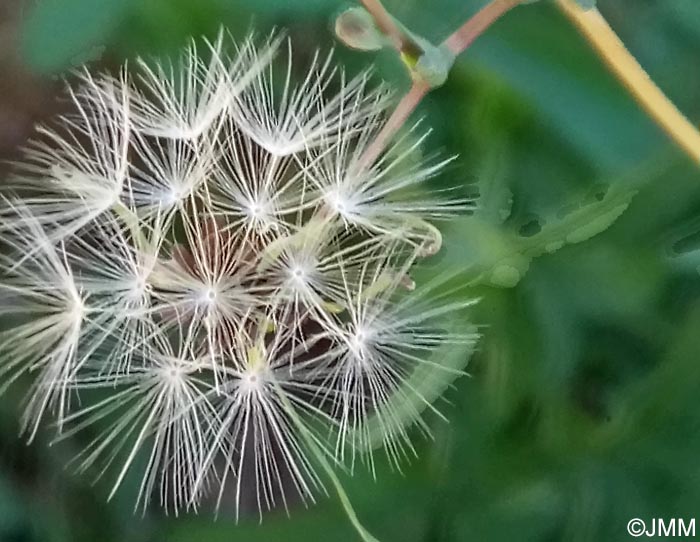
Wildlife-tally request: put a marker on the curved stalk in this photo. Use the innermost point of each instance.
(625, 67)
(320, 456)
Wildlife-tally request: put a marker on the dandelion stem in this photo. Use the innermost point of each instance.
(625, 67)
(345, 500)
(456, 43)
(325, 465)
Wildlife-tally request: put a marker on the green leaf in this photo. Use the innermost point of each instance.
(501, 258)
(427, 383)
(495, 196)
(583, 223)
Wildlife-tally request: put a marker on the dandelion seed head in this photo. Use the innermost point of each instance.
(203, 272)
(342, 204)
(253, 379)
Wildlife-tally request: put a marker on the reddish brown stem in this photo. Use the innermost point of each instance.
(397, 119)
(466, 34)
(457, 43)
(386, 24)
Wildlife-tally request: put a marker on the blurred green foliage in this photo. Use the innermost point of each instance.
(580, 412)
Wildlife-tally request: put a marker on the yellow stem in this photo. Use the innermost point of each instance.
(626, 68)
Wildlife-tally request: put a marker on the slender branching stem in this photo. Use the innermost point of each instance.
(626, 68)
(466, 34)
(397, 119)
(388, 26)
(456, 43)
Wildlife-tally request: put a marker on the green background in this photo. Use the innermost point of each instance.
(582, 409)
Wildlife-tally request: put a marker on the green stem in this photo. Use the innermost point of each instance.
(327, 468)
